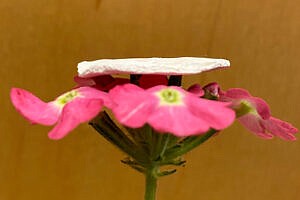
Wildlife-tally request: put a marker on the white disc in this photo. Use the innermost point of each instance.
(166, 66)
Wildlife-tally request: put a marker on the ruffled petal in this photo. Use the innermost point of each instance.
(280, 128)
(287, 126)
(75, 112)
(262, 107)
(236, 95)
(34, 109)
(252, 123)
(132, 105)
(189, 114)
(216, 114)
(92, 93)
(177, 120)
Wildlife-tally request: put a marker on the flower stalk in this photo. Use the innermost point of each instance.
(151, 183)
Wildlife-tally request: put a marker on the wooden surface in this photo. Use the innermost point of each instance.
(42, 41)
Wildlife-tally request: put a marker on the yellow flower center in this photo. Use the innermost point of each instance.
(67, 97)
(170, 97)
(245, 107)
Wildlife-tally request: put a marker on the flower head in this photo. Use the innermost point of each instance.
(254, 113)
(67, 111)
(169, 109)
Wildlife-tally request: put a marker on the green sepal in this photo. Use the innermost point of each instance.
(166, 173)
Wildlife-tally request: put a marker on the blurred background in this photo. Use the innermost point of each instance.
(42, 41)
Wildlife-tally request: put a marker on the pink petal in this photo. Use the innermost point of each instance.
(75, 112)
(195, 116)
(117, 81)
(149, 80)
(196, 89)
(92, 93)
(261, 106)
(252, 123)
(133, 105)
(237, 93)
(177, 120)
(84, 81)
(287, 126)
(280, 128)
(216, 114)
(33, 109)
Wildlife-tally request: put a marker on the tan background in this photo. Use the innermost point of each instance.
(41, 42)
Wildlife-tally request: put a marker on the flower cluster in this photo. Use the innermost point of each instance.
(152, 99)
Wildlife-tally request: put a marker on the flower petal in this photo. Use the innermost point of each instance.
(177, 120)
(216, 114)
(252, 123)
(92, 93)
(280, 128)
(236, 95)
(259, 120)
(262, 107)
(196, 89)
(133, 105)
(34, 109)
(192, 116)
(84, 81)
(287, 126)
(75, 112)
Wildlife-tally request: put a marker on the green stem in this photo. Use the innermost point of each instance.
(189, 144)
(106, 127)
(165, 145)
(151, 184)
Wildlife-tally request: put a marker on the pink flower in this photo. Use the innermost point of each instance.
(169, 109)
(254, 114)
(67, 111)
